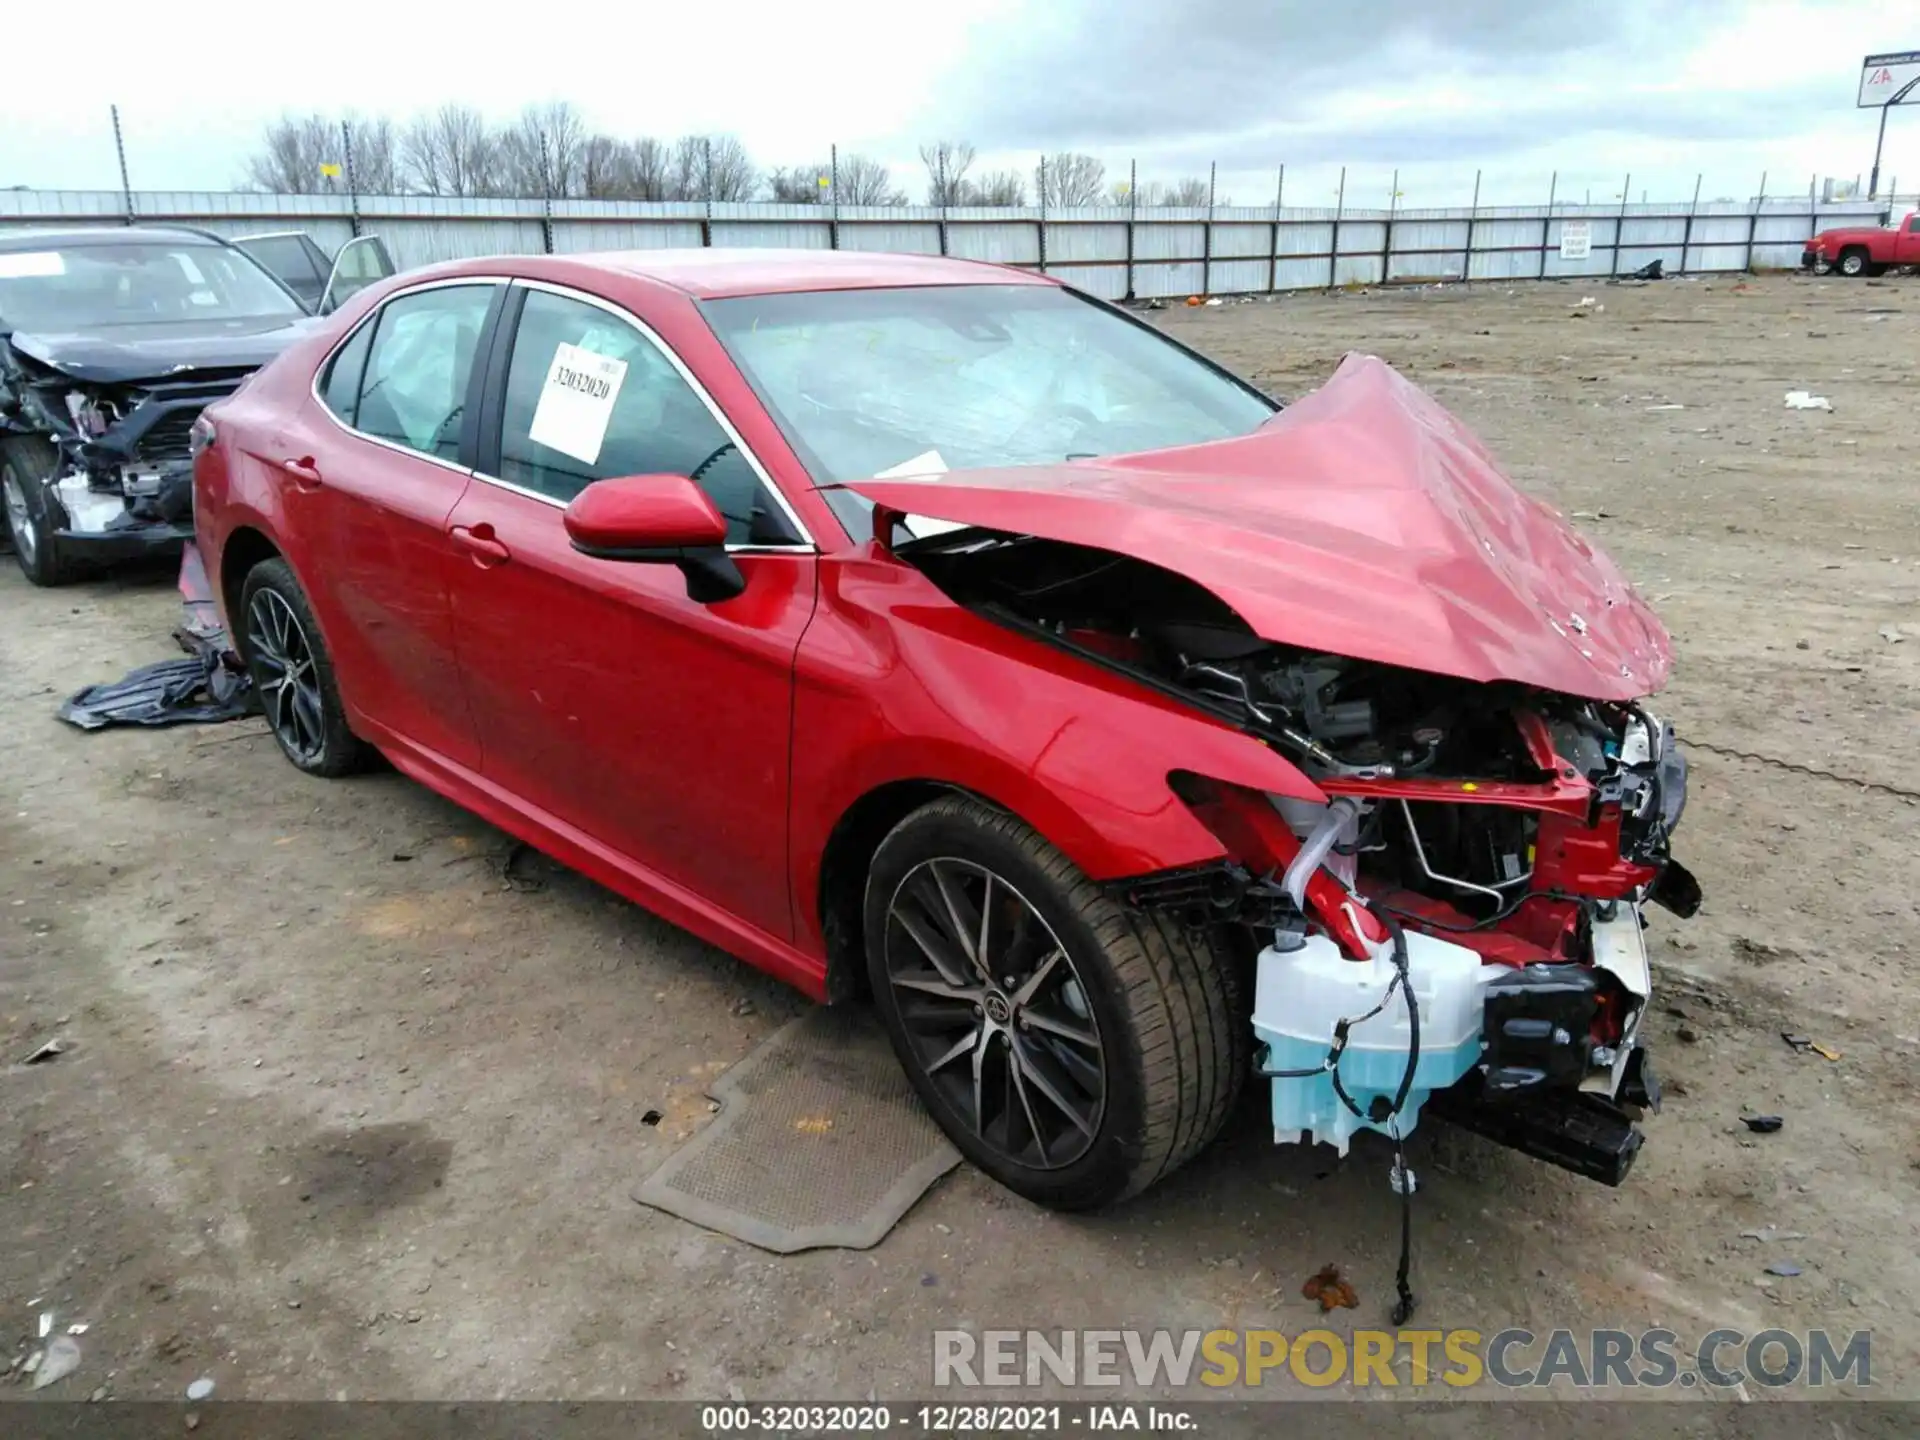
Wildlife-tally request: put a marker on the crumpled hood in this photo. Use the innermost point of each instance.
(118, 354)
(1363, 520)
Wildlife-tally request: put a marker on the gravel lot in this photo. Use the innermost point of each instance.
(347, 1115)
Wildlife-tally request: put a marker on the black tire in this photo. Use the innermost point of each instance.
(1853, 263)
(28, 465)
(1166, 1004)
(279, 638)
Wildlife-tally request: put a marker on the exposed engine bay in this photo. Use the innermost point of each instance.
(1488, 847)
(125, 462)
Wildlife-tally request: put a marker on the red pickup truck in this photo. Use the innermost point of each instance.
(1864, 251)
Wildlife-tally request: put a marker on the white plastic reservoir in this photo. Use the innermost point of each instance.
(1301, 995)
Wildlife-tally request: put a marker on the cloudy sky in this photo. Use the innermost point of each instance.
(1518, 89)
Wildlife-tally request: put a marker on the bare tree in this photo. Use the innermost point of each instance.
(292, 150)
(800, 185)
(734, 175)
(998, 187)
(1191, 191)
(1069, 179)
(542, 151)
(711, 167)
(294, 147)
(652, 164)
(450, 152)
(606, 169)
(862, 181)
(947, 163)
(375, 155)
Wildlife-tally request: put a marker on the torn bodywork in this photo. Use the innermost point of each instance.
(1461, 680)
(112, 341)
(124, 473)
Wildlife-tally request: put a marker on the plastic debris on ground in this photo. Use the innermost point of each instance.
(1786, 1269)
(198, 690)
(200, 1389)
(1807, 400)
(62, 1358)
(207, 687)
(46, 1052)
(1762, 1124)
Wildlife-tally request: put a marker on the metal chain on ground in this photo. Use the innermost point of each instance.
(1800, 769)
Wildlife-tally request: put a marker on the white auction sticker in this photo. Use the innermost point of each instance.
(577, 402)
(25, 264)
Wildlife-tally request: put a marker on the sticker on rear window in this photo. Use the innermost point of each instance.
(577, 402)
(24, 263)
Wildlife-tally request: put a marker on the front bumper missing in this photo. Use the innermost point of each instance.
(1535, 1078)
(1545, 1089)
(130, 542)
(151, 515)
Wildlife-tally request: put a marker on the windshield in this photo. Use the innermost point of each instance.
(86, 287)
(924, 379)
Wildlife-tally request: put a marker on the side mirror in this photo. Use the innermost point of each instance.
(657, 519)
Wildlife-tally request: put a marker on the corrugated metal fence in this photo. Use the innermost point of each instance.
(1112, 251)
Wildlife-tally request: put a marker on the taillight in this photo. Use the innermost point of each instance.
(201, 436)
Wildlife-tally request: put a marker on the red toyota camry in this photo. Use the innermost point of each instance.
(928, 630)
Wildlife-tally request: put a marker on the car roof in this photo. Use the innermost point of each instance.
(74, 235)
(727, 271)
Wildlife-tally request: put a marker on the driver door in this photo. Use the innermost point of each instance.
(616, 710)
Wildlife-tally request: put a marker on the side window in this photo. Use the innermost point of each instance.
(1913, 226)
(589, 397)
(414, 391)
(340, 386)
(286, 256)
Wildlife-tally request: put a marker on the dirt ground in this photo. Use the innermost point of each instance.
(347, 1115)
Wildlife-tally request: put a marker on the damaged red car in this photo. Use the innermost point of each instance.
(928, 631)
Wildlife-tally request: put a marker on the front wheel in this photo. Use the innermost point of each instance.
(1074, 1048)
(1853, 263)
(28, 466)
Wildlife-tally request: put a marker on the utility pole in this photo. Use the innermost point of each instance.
(1873, 184)
(120, 149)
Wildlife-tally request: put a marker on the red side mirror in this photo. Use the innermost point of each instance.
(644, 517)
(664, 519)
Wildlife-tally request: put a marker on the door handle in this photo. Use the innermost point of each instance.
(478, 542)
(306, 475)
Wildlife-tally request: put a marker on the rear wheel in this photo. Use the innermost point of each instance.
(293, 674)
(1852, 263)
(28, 466)
(1075, 1049)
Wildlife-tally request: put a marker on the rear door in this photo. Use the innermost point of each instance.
(368, 490)
(605, 697)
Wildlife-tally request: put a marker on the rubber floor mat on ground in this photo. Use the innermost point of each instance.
(819, 1142)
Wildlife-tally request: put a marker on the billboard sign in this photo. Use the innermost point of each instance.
(1882, 77)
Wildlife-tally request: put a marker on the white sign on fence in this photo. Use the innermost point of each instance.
(1576, 239)
(1884, 76)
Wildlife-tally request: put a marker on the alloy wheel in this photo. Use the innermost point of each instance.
(26, 538)
(284, 672)
(995, 1014)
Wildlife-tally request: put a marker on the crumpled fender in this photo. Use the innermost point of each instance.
(896, 683)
